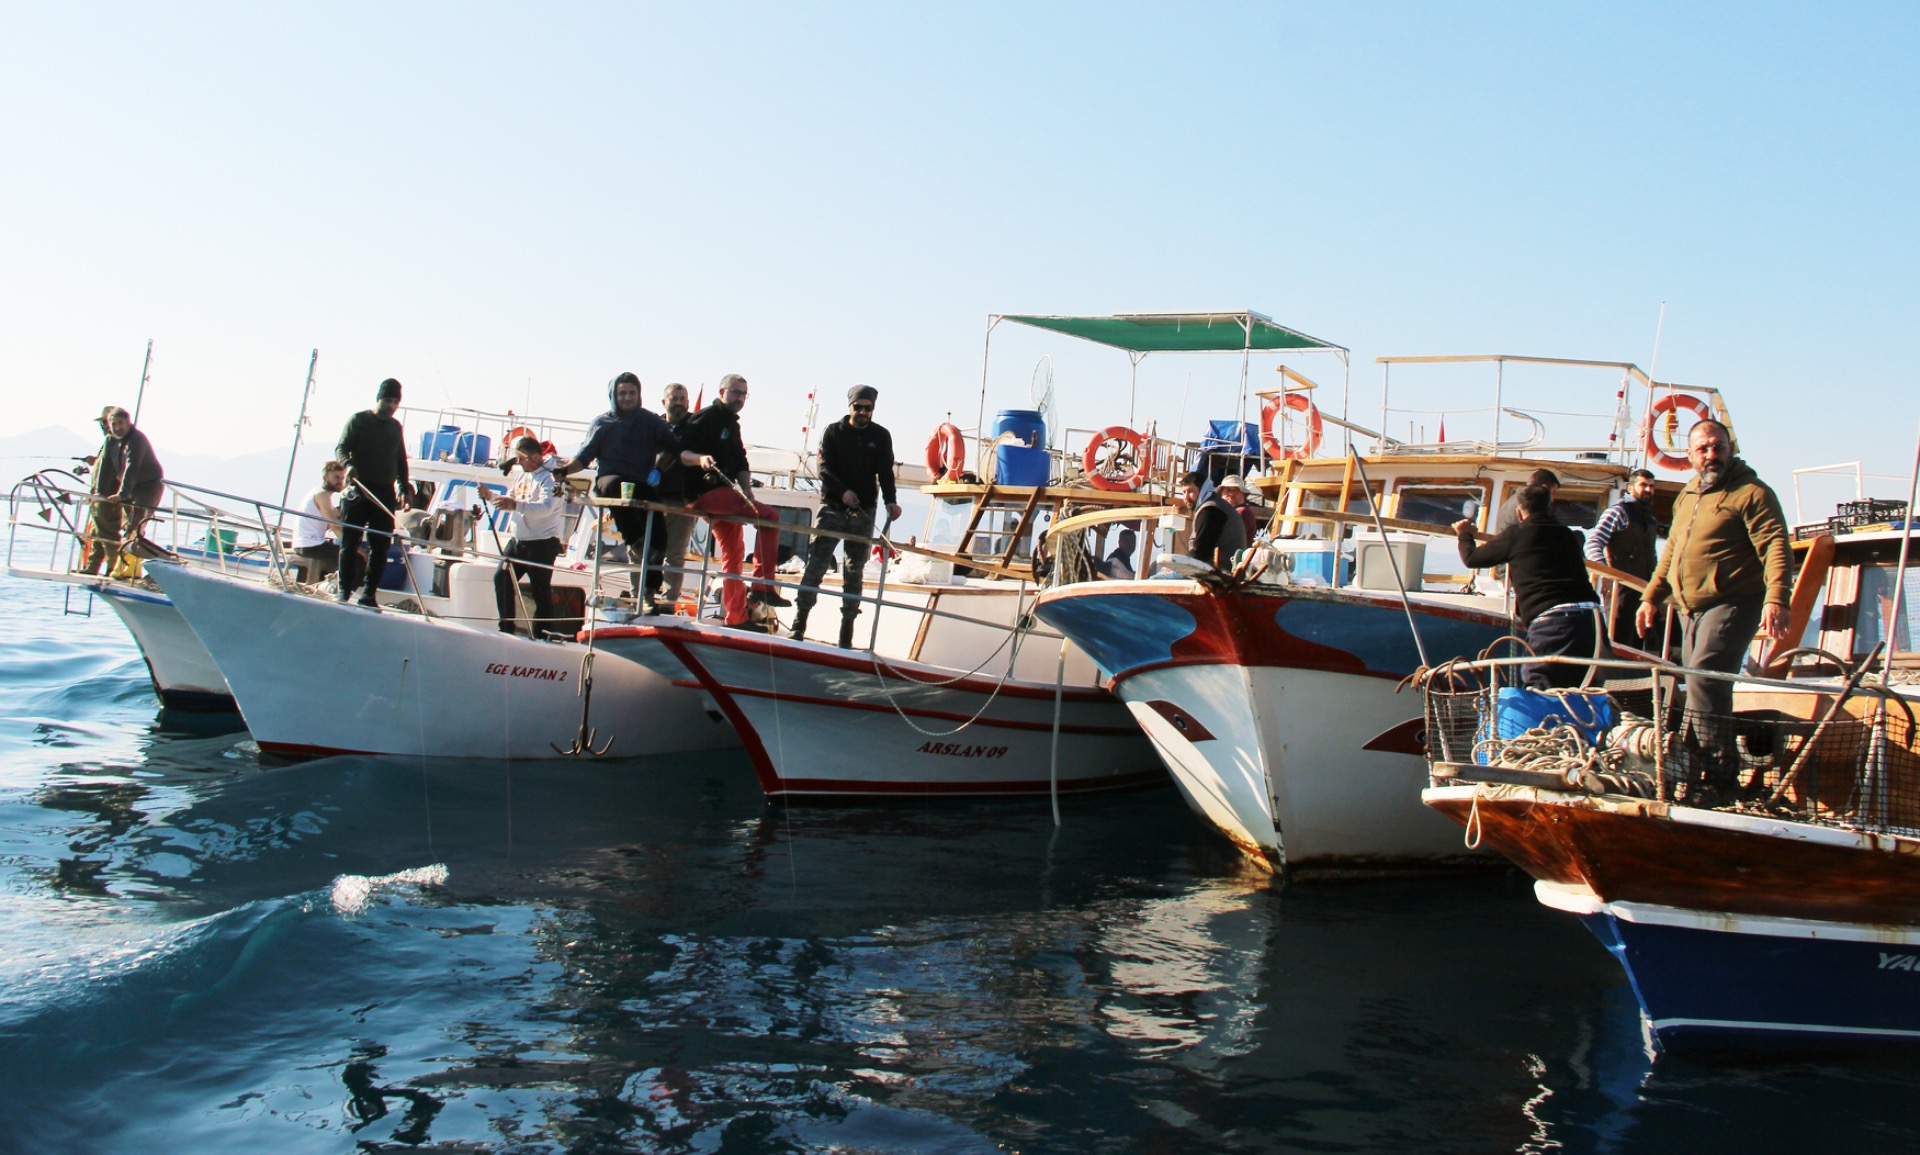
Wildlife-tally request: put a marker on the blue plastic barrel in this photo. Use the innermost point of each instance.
(1519, 709)
(1018, 465)
(471, 447)
(1026, 424)
(439, 444)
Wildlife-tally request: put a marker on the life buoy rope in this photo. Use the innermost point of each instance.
(1141, 449)
(1270, 408)
(1669, 405)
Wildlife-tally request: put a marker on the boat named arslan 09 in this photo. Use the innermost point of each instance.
(1783, 915)
(949, 685)
(957, 691)
(1271, 689)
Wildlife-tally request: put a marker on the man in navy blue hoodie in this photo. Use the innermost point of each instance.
(626, 440)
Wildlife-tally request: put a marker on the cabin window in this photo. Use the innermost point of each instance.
(1324, 497)
(1439, 505)
(1874, 605)
(1580, 510)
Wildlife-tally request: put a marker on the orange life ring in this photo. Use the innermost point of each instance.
(1670, 403)
(946, 453)
(1270, 408)
(1142, 453)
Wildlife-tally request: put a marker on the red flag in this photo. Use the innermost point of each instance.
(699, 397)
(1443, 429)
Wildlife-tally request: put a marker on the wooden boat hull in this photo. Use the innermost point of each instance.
(1277, 712)
(819, 721)
(1736, 930)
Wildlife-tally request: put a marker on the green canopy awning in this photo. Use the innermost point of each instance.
(1142, 333)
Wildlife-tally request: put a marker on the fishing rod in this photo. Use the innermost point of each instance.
(298, 426)
(146, 370)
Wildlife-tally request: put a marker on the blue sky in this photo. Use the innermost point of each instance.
(495, 201)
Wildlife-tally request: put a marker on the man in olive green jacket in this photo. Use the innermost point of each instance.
(1727, 570)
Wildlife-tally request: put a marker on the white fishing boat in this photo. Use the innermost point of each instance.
(955, 688)
(1271, 690)
(820, 721)
(948, 685)
(51, 505)
(312, 676)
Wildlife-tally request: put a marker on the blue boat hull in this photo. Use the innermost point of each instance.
(1763, 984)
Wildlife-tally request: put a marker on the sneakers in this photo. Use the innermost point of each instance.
(769, 597)
(747, 627)
(369, 605)
(341, 594)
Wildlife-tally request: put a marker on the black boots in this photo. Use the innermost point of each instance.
(846, 629)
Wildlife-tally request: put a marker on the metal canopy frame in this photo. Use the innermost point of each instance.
(1141, 334)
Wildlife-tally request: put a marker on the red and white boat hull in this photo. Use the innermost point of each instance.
(1278, 712)
(822, 721)
(315, 677)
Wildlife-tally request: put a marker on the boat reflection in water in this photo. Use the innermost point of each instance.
(649, 955)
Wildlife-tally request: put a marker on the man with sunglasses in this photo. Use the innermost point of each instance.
(856, 474)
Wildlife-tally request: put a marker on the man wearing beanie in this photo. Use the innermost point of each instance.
(373, 448)
(856, 474)
(1509, 512)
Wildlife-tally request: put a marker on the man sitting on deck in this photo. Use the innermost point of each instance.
(1218, 532)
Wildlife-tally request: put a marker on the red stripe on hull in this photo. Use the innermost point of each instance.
(840, 660)
(920, 712)
(845, 788)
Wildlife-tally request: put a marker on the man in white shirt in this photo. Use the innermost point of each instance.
(319, 520)
(536, 512)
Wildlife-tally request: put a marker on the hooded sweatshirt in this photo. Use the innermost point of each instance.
(1726, 543)
(627, 444)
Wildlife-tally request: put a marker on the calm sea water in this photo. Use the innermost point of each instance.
(204, 951)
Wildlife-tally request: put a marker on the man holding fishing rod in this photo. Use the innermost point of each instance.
(535, 511)
(725, 487)
(856, 472)
(127, 486)
(373, 447)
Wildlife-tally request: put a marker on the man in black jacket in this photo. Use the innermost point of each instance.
(1218, 532)
(1552, 597)
(127, 484)
(373, 447)
(725, 486)
(856, 474)
(673, 489)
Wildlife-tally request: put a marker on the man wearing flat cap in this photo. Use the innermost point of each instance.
(373, 447)
(856, 476)
(128, 483)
